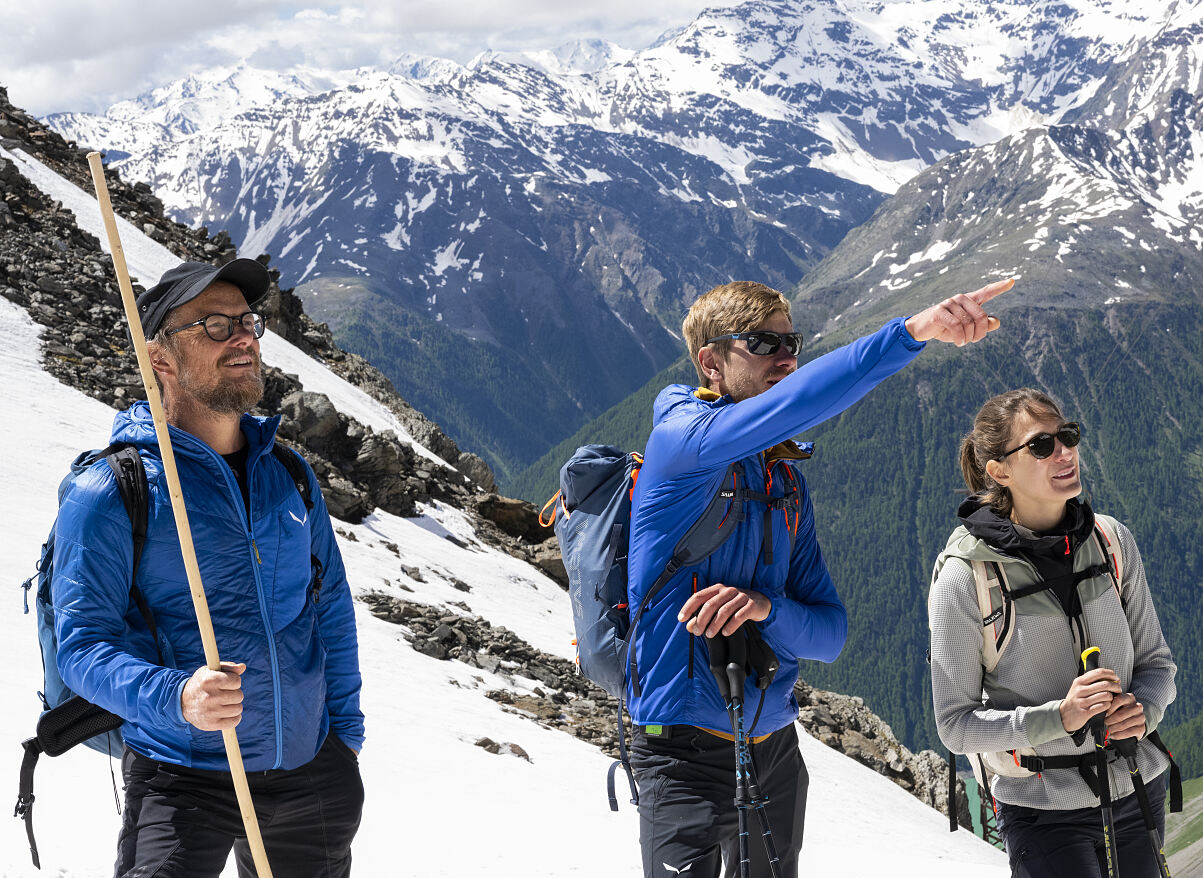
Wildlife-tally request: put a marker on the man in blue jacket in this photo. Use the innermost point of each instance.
(277, 594)
(769, 573)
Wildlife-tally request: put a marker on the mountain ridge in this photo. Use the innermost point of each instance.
(509, 202)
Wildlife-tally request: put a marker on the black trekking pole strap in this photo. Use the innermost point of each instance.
(24, 808)
(1175, 772)
(625, 761)
(952, 792)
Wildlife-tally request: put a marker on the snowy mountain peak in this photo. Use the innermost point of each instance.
(527, 192)
(426, 68)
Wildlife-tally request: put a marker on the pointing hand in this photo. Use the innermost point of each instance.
(959, 320)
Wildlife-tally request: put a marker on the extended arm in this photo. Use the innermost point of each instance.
(818, 390)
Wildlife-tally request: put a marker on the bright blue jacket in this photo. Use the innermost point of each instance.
(302, 676)
(693, 441)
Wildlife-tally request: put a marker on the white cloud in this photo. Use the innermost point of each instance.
(82, 55)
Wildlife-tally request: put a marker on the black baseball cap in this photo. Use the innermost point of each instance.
(189, 279)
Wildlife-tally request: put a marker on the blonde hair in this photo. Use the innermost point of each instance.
(739, 306)
(989, 437)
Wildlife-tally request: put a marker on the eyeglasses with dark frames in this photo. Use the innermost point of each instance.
(220, 327)
(764, 343)
(1043, 444)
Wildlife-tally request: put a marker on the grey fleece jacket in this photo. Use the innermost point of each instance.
(1017, 704)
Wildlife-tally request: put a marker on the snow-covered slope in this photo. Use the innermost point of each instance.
(436, 804)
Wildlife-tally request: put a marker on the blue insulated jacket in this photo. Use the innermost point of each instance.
(693, 441)
(302, 675)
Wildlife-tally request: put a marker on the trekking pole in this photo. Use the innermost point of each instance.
(728, 663)
(199, 603)
(1090, 661)
(1127, 748)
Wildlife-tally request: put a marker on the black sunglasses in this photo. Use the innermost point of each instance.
(1042, 444)
(764, 343)
(219, 327)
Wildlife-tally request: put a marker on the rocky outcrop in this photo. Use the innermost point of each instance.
(845, 723)
(65, 281)
(560, 696)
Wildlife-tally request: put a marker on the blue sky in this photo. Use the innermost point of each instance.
(84, 55)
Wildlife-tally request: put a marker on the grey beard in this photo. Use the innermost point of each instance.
(233, 397)
(225, 397)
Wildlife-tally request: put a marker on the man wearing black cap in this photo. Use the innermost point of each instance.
(277, 594)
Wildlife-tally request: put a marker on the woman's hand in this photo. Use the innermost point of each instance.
(1126, 717)
(1091, 694)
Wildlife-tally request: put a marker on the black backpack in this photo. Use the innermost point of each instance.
(68, 719)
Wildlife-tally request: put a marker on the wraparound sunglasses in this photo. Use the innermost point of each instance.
(764, 343)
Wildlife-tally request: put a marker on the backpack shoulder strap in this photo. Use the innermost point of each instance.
(299, 473)
(989, 581)
(1107, 533)
(296, 470)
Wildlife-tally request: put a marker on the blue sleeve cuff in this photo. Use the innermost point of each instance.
(907, 339)
(768, 620)
(177, 714)
(352, 737)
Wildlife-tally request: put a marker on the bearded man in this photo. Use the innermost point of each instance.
(277, 593)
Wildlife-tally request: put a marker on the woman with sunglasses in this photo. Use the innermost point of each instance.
(1006, 683)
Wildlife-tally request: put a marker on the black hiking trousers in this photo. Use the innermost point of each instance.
(688, 822)
(182, 822)
(1069, 844)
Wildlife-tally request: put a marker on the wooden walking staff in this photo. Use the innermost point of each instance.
(199, 603)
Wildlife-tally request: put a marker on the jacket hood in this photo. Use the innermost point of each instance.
(136, 426)
(1005, 537)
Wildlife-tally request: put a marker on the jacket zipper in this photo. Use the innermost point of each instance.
(692, 637)
(232, 485)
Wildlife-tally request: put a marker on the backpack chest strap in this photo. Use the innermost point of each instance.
(1071, 579)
